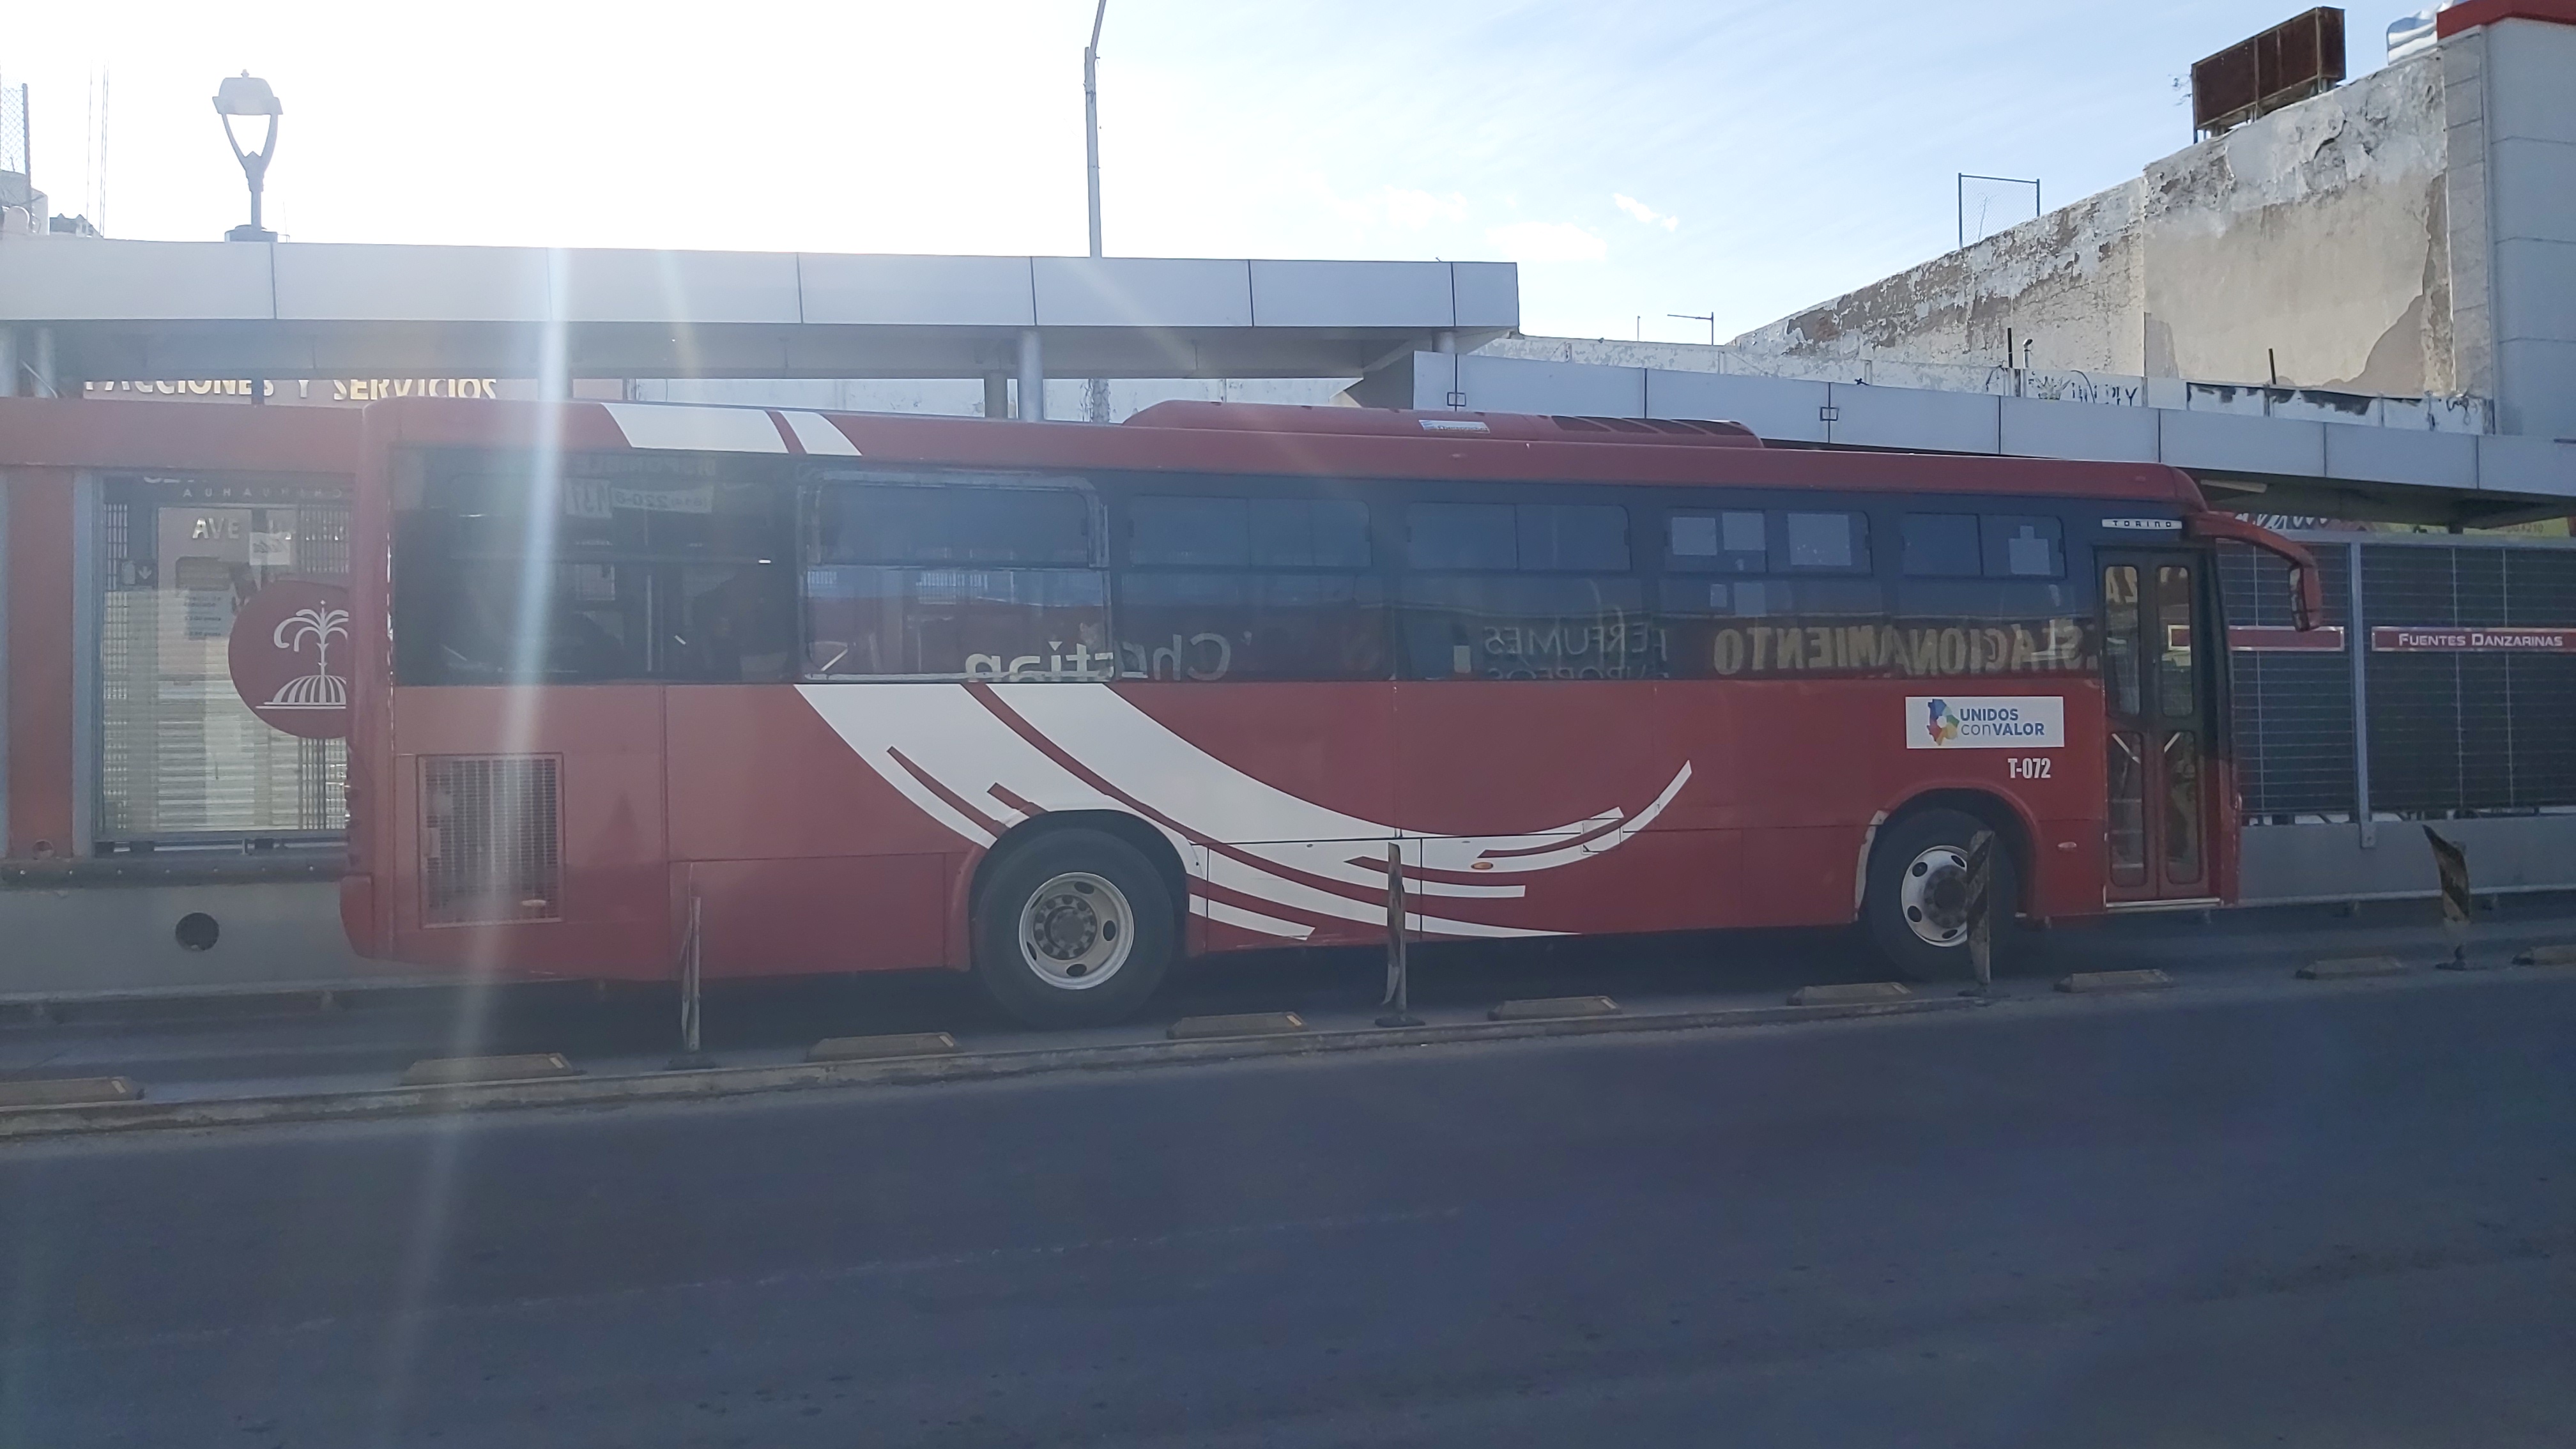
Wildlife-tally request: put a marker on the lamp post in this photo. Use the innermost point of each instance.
(1091, 115)
(248, 95)
(1096, 391)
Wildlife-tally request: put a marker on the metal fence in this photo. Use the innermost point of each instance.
(2466, 658)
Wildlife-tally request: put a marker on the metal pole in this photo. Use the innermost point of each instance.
(1032, 377)
(1091, 115)
(1398, 988)
(1981, 933)
(2451, 870)
(2358, 630)
(692, 965)
(690, 998)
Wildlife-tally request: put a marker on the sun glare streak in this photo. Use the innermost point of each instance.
(675, 305)
(470, 1030)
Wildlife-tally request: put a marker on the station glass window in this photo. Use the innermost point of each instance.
(182, 759)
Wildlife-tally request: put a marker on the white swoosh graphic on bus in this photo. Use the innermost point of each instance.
(963, 764)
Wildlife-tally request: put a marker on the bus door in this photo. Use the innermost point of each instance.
(2161, 706)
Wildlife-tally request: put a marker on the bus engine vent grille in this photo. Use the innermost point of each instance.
(489, 839)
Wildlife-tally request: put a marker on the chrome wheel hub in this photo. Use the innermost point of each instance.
(1933, 894)
(1076, 930)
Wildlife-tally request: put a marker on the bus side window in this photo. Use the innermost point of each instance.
(1940, 546)
(914, 578)
(1523, 591)
(680, 573)
(2024, 546)
(1723, 541)
(1836, 541)
(1249, 588)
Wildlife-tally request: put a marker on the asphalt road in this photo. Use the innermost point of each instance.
(2330, 1215)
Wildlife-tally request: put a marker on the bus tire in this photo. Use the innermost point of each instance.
(1915, 904)
(1073, 928)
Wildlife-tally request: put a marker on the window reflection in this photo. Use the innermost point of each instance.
(2182, 807)
(2173, 658)
(2120, 637)
(2127, 824)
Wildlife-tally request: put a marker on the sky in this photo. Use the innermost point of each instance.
(1639, 158)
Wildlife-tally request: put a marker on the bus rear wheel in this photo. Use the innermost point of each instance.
(1916, 902)
(1073, 928)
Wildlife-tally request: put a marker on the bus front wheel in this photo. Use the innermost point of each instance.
(1916, 904)
(1073, 928)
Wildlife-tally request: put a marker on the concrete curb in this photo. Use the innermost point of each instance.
(458, 1071)
(1240, 1023)
(742, 1081)
(882, 1048)
(1829, 994)
(67, 1092)
(2103, 983)
(1553, 1008)
(2352, 968)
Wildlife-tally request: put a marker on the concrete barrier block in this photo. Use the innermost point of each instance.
(1241, 1023)
(1839, 992)
(453, 1071)
(2349, 968)
(2099, 983)
(882, 1048)
(1550, 1008)
(68, 1092)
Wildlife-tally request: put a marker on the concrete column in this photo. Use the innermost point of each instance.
(1032, 377)
(4, 653)
(8, 362)
(42, 363)
(89, 610)
(1447, 342)
(997, 394)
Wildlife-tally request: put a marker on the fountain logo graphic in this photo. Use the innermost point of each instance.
(289, 654)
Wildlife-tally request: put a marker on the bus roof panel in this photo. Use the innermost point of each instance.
(1313, 442)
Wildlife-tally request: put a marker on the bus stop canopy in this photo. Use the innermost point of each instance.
(122, 310)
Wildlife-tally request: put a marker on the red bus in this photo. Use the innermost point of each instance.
(1058, 703)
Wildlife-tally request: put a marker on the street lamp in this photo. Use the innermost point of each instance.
(1096, 391)
(1091, 115)
(248, 95)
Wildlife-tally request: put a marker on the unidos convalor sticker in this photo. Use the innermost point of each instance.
(1985, 722)
(290, 653)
